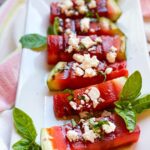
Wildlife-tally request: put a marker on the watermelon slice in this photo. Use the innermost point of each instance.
(104, 8)
(86, 135)
(58, 47)
(109, 93)
(63, 76)
(100, 26)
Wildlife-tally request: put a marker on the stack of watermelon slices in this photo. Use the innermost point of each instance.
(88, 51)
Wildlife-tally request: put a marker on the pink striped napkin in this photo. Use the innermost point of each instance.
(145, 4)
(9, 73)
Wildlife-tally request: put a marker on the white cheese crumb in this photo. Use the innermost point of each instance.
(85, 24)
(108, 70)
(88, 134)
(94, 95)
(106, 113)
(60, 29)
(89, 72)
(113, 49)
(92, 4)
(79, 72)
(75, 65)
(73, 105)
(92, 30)
(68, 31)
(66, 5)
(108, 128)
(94, 61)
(69, 49)
(69, 12)
(86, 62)
(80, 2)
(67, 20)
(72, 135)
(82, 102)
(92, 48)
(111, 57)
(88, 42)
(98, 40)
(79, 58)
(73, 41)
(83, 9)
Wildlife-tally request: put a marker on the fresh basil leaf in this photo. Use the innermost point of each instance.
(129, 116)
(132, 87)
(24, 125)
(89, 14)
(69, 91)
(123, 104)
(97, 16)
(73, 123)
(34, 146)
(70, 97)
(54, 29)
(87, 1)
(140, 104)
(23, 144)
(33, 41)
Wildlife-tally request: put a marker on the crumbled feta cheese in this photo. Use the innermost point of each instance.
(60, 29)
(80, 2)
(73, 41)
(86, 62)
(88, 134)
(73, 105)
(94, 95)
(108, 70)
(72, 135)
(79, 72)
(113, 49)
(69, 12)
(69, 49)
(92, 4)
(88, 42)
(98, 40)
(108, 128)
(106, 113)
(67, 20)
(75, 65)
(66, 4)
(76, 13)
(82, 102)
(79, 107)
(79, 58)
(89, 72)
(82, 9)
(85, 24)
(68, 31)
(94, 61)
(92, 48)
(111, 57)
(92, 30)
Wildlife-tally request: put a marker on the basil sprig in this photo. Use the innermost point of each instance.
(38, 42)
(54, 29)
(25, 127)
(33, 41)
(131, 102)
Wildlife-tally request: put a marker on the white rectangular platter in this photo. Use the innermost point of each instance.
(33, 96)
